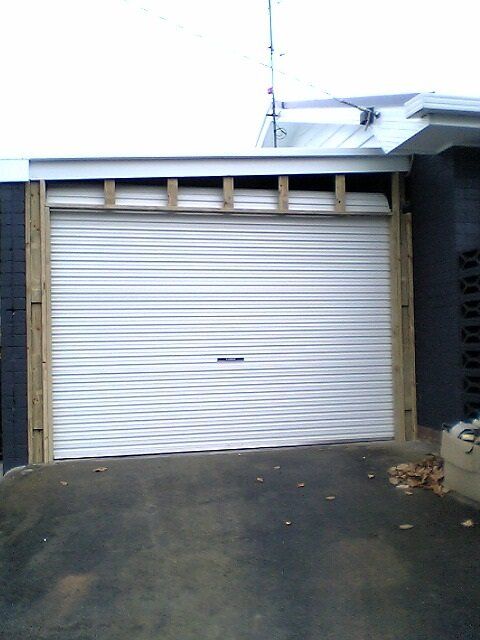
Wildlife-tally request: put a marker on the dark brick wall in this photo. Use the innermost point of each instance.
(14, 342)
(444, 194)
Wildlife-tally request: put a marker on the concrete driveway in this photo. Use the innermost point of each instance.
(192, 547)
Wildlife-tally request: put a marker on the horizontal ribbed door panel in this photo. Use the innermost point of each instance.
(152, 312)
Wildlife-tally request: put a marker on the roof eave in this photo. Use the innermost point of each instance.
(426, 104)
(262, 162)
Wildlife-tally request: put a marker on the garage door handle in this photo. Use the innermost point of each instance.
(230, 359)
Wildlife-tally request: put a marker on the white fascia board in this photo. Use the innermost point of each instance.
(14, 170)
(305, 162)
(432, 103)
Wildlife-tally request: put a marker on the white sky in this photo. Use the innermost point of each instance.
(110, 77)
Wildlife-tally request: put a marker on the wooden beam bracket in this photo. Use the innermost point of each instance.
(283, 194)
(340, 194)
(172, 193)
(109, 192)
(228, 193)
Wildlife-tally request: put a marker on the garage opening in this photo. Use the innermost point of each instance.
(205, 330)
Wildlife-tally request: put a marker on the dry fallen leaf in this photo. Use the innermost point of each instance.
(405, 526)
(330, 497)
(100, 469)
(64, 483)
(288, 523)
(300, 485)
(370, 476)
(259, 479)
(426, 474)
(468, 523)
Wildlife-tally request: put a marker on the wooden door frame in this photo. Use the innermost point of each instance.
(38, 299)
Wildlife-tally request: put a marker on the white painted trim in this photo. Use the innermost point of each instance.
(428, 103)
(242, 154)
(253, 165)
(14, 170)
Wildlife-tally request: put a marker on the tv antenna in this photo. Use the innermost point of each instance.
(271, 90)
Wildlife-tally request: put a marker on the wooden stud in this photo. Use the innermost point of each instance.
(38, 317)
(109, 192)
(283, 193)
(408, 328)
(228, 191)
(35, 244)
(396, 311)
(46, 325)
(340, 194)
(28, 314)
(172, 192)
(34, 324)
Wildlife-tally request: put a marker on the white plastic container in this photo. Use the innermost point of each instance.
(462, 462)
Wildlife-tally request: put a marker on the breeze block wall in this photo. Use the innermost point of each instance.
(444, 194)
(13, 325)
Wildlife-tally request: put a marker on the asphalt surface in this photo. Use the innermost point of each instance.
(193, 547)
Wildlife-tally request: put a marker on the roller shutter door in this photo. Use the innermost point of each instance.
(186, 332)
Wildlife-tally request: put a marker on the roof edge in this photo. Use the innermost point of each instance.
(14, 170)
(435, 103)
(288, 162)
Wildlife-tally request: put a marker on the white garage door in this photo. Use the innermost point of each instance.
(189, 332)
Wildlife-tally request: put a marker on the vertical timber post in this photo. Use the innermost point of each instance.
(408, 328)
(46, 324)
(37, 231)
(396, 303)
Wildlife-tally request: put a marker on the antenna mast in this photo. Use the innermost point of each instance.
(272, 72)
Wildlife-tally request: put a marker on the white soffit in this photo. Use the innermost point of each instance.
(433, 124)
(325, 136)
(392, 129)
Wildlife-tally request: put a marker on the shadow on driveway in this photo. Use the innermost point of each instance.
(192, 547)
